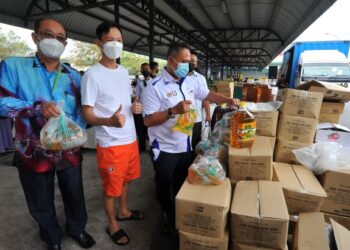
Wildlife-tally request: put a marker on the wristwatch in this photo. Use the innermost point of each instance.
(170, 113)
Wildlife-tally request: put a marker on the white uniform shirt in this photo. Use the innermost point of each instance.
(141, 86)
(198, 81)
(105, 90)
(162, 93)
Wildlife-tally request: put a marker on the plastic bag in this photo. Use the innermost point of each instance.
(321, 157)
(206, 171)
(215, 150)
(185, 122)
(264, 106)
(224, 122)
(61, 133)
(221, 136)
(206, 132)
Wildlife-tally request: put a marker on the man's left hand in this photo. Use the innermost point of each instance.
(137, 106)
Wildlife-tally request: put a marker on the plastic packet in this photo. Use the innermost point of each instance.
(206, 171)
(321, 157)
(224, 122)
(221, 136)
(206, 132)
(185, 122)
(263, 106)
(61, 133)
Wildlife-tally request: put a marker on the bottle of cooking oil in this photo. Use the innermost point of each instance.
(243, 126)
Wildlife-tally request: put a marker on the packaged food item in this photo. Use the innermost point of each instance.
(61, 133)
(207, 171)
(243, 127)
(185, 122)
(221, 136)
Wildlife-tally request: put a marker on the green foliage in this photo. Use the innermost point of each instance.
(12, 45)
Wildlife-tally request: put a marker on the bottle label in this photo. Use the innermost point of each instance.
(246, 131)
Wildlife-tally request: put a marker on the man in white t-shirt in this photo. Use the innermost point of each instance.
(166, 98)
(198, 80)
(106, 99)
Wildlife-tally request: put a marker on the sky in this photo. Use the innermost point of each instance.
(334, 24)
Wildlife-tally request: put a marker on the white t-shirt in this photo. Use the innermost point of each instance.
(105, 90)
(198, 81)
(162, 93)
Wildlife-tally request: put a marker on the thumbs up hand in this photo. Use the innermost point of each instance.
(137, 106)
(118, 119)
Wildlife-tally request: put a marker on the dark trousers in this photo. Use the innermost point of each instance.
(196, 134)
(141, 131)
(39, 192)
(171, 171)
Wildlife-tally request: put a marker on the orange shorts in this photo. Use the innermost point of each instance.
(117, 165)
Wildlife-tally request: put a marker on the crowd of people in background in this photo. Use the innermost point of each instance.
(102, 98)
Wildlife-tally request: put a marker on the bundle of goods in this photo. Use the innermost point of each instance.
(260, 92)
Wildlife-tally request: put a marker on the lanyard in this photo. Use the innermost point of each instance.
(55, 84)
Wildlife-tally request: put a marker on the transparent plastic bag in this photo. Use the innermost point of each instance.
(206, 132)
(221, 136)
(185, 122)
(216, 150)
(61, 133)
(206, 171)
(264, 106)
(321, 157)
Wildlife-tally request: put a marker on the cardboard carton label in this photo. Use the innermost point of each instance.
(189, 241)
(283, 150)
(332, 107)
(302, 203)
(293, 128)
(300, 103)
(332, 118)
(266, 123)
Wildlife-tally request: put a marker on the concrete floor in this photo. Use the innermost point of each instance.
(18, 231)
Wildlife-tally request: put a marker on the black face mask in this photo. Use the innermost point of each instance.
(191, 67)
(145, 73)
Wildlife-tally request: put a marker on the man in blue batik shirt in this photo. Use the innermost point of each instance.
(30, 88)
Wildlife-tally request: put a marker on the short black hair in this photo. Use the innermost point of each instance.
(175, 48)
(143, 64)
(152, 65)
(193, 52)
(104, 28)
(38, 22)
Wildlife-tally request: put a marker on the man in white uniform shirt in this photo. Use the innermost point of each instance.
(198, 80)
(165, 98)
(106, 99)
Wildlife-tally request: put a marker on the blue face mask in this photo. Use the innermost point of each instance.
(182, 69)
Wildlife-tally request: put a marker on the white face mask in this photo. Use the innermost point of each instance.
(51, 48)
(112, 49)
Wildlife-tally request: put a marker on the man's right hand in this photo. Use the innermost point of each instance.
(49, 109)
(182, 107)
(118, 119)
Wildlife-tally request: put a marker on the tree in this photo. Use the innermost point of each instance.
(13, 45)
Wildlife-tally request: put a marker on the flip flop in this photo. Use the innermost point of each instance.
(135, 215)
(117, 236)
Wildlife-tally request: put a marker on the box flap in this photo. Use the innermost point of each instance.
(311, 232)
(272, 202)
(308, 181)
(261, 147)
(341, 235)
(331, 91)
(245, 199)
(286, 176)
(216, 195)
(328, 125)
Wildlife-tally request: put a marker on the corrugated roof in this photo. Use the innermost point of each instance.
(232, 32)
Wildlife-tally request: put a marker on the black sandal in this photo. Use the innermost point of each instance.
(135, 215)
(117, 236)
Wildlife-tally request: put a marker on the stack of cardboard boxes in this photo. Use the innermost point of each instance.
(225, 88)
(299, 115)
(202, 216)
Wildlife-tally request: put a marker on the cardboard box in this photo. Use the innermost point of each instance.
(331, 132)
(226, 93)
(311, 232)
(332, 108)
(251, 163)
(239, 246)
(342, 220)
(341, 236)
(259, 214)
(224, 84)
(300, 103)
(302, 191)
(332, 118)
(283, 150)
(331, 91)
(189, 241)
(337, 186)
(272, 141)
(299, 129)
(266, 123)
(202, 209)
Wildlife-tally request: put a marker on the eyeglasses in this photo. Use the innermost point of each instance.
(47, 34)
